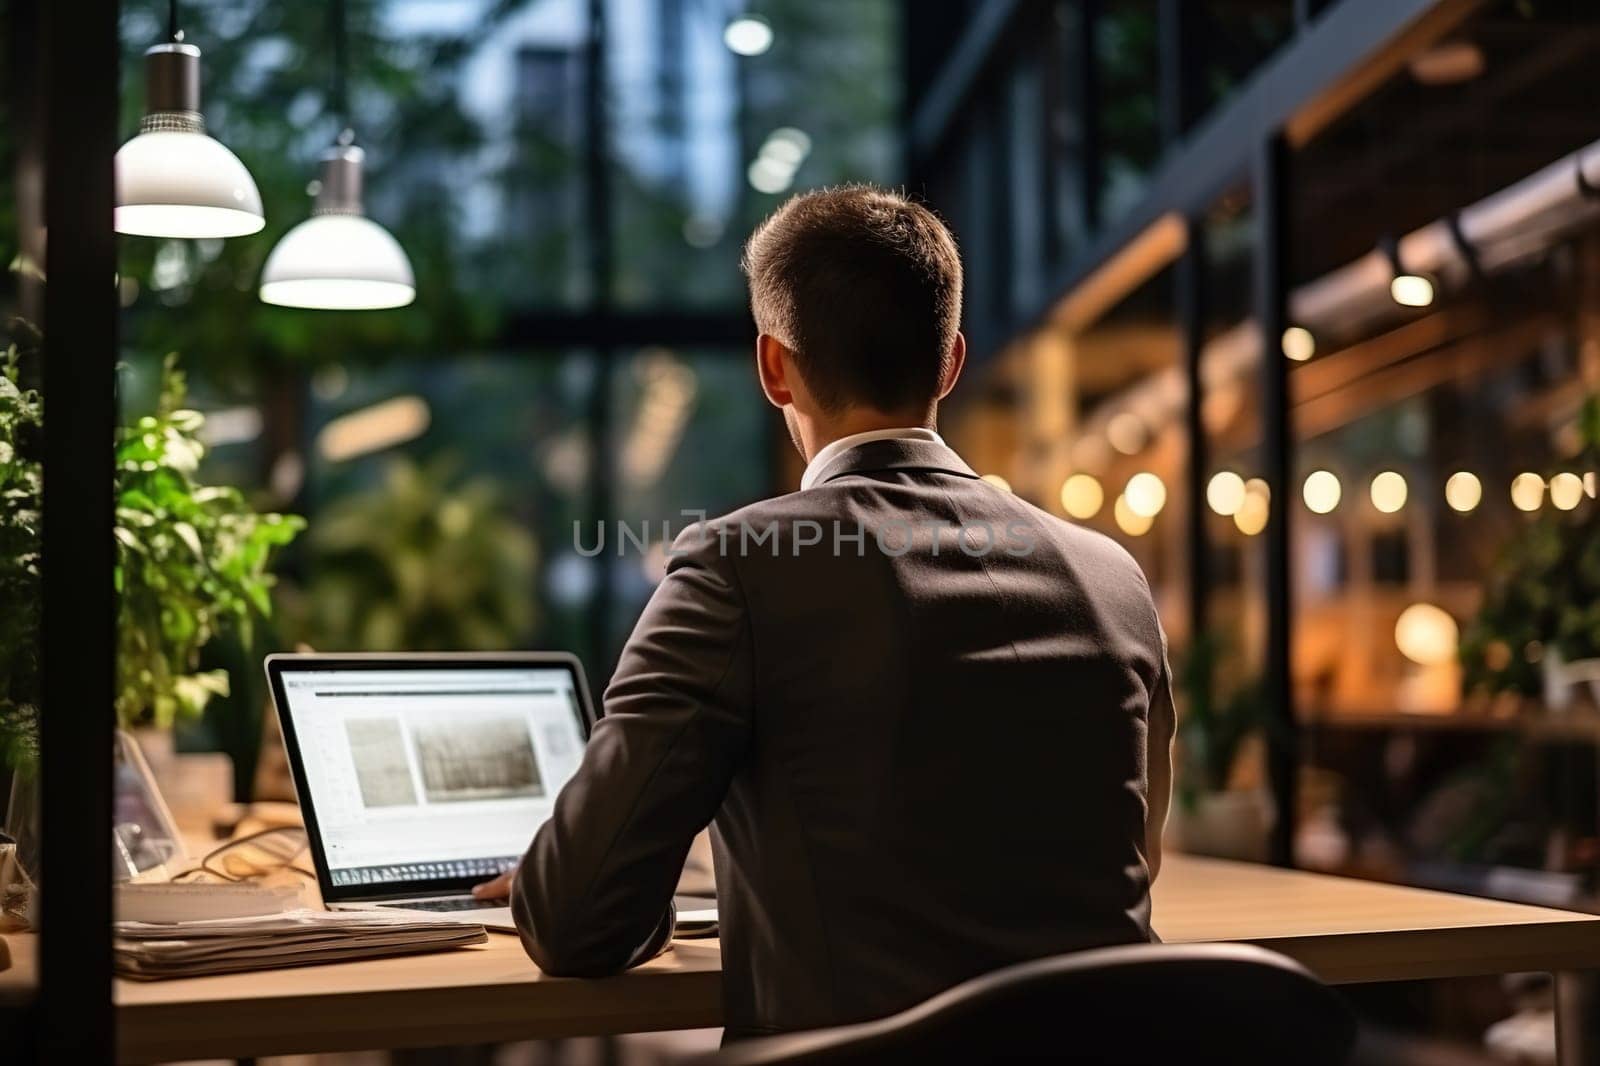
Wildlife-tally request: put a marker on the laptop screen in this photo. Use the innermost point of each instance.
(430, 774)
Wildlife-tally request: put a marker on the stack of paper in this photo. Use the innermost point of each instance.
(166, 903)
(294, 938)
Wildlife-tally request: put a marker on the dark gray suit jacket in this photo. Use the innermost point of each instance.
(924, 760)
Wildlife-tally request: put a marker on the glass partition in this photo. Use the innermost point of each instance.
(572, 197)
(704, 143)
(1445, 270)
(676, 411)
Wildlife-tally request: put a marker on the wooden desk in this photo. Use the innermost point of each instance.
(1345, 930)
(1349, 931)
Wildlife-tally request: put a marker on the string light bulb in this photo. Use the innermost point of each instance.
(1527, 491)
(1322, 491)
(1225, 492)
(1388, 491)
(1081, 496)
(1406, 288)
(1463, 491)
(1146, 494)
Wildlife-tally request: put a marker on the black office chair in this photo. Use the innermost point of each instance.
(1141, 1005)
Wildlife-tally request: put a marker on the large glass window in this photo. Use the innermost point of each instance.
(1127, 98)
(1445, 275)
(676, 413)
(1234, 38)
(572, 196)
(705, 143)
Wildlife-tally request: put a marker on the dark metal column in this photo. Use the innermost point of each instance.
(23, 109)
(1088, 103)
(1181, 50)
(597, 221)
(79, 638)
(1277, 451)
(1057, 118)
(1191, 271)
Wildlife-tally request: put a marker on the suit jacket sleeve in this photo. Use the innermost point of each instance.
(593, 895)
(1160, 727)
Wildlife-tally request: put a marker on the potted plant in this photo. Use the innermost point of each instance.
(191, 562)
(21, 426)
(1538, 631)
(1213, 816)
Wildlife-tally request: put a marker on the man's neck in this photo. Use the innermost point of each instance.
(862, 420)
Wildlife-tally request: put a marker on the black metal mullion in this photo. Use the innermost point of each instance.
(1179, 28)
(1087, 68)
(1277, 447)
(77, 1022)
(1191, 271)
(1052, 84)
(597, 218)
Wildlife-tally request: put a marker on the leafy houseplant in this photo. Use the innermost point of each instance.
(419, 562)
(20, 484)
(192, 561)
(1544, 592)
(1213, 816)
(1215, 725)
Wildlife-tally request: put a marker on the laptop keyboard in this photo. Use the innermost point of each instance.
(452, 903)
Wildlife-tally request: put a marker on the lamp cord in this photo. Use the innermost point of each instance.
(341, 62)
(173, 33)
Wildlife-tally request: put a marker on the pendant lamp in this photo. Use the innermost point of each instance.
(338, 259)
(174, 180)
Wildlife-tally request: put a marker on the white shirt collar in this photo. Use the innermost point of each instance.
(826, 453)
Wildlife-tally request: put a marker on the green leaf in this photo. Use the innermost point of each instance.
(187, 534)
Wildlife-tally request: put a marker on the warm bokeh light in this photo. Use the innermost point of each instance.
(1146, 494)
(370, 429)
(1251, 517)
(1411, 290)
(1566, 490)
(1299, 344)
(1225, 492)
(998, 482)
(1447, 63)
(1322, 491)
(1590, 486)
(1130, 521)
(1127, 433)
(1257, 486)
(1426, 635)
(1463, 491)
(1527, 491)
(1082, 496)
(1389, 491)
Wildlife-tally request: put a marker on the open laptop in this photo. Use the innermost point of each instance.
(420, 776)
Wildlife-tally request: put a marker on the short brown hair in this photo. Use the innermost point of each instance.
(864, 287)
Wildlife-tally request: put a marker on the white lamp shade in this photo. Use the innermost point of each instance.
(339, 263)
(173, 183)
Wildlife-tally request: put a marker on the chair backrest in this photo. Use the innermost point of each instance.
(1143, 1004)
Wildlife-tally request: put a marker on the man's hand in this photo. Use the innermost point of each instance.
(499, 888)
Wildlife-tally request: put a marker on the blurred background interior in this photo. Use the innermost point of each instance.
(572, 181)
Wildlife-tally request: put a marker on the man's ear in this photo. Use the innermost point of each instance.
(771, 355)
(958, 359)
